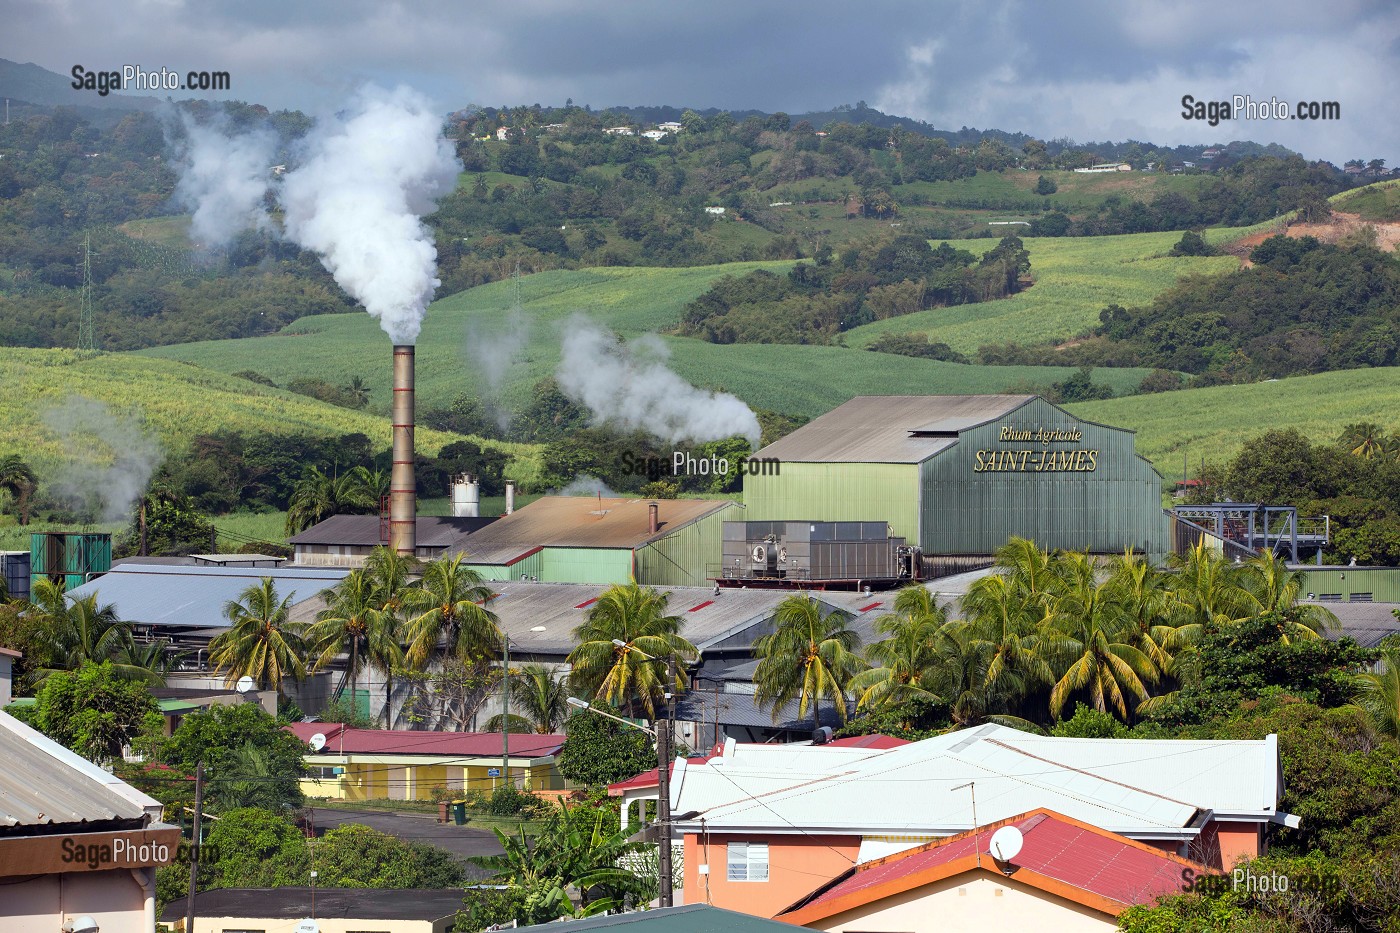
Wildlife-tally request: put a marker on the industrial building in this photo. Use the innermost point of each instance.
(586, 539)
(347, 540)
(957, 475)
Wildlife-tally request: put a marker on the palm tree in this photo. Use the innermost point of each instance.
(901, 662)
(1004, 612)
(150, 656)
(355, 624)
(16, 476)
(1206, 589)
(1088, 638)
(541, 699)
(1147, 599)
(73, 632)
(389, 573)
(807, 657)
(1271, 587)
(358, 392)
(1364, 439)
(318, 497)
(617, 674)
(1378, 692)
(262, 642)
(449, 605)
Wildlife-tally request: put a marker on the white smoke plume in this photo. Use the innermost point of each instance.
(585, 485)
(494, 351)
(223, 180)
(357, 199)
(629, 386)
(110, 459)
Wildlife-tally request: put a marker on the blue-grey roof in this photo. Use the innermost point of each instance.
(739, 709)
(194, 597)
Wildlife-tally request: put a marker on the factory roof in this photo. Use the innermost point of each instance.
(44, 784)
(366, 531)
(1368, 624)
(341, 739)
(584, 522)
(331, 904)
(1060, 855)
(194, 597)
(890, 428)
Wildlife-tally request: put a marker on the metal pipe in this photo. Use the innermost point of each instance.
(510, 498)
(403, 506)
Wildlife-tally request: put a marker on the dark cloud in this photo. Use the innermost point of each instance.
(1089, 70)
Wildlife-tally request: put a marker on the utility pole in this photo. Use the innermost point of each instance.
(194, 847)
(505, 711)
(663, 774)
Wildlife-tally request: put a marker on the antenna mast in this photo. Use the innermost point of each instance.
(87, 336)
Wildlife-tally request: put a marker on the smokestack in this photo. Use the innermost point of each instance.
(403, 504)
(466, 496)
(510, 498)
(653, 518)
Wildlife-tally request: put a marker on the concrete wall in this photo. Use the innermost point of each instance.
(395, 780)
(971, 901)
(7, 689)
(332, 925)
(797, 864)
(114, 899)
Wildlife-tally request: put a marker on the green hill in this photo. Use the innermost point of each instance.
(1212, 423)
(174, 401)
(1377, 203)
(806, 380)
(1075, 279)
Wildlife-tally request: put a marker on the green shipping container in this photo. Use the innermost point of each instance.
(69, 558)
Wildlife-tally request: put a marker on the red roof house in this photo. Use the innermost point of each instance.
(1068, 875)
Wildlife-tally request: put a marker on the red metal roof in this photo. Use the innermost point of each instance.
(410, 742)
(1107, 871)
(650, 778)
(876, 741)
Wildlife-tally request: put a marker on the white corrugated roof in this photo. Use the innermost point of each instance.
(1159, 788)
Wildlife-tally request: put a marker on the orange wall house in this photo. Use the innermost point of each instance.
(797, 863)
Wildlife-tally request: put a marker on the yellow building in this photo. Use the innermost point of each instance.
(389, 764)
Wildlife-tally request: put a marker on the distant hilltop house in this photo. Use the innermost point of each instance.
(717, 211)
(656, 134)
(670, 126)
(620, 131)
(1105, 167)
(503, 133)
(1211, 153)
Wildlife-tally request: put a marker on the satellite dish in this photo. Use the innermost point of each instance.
(245, 684)
(1006, 843)
(318, 742)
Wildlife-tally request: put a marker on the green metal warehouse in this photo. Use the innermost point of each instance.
(959, 475)
(586, 539)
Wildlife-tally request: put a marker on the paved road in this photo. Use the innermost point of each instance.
(461, 841)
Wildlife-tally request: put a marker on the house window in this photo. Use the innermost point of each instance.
(748, 861)
(325, 772)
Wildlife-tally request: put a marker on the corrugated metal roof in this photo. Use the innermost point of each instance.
(44, 784)
(1368, 624)
(1137, 787)
(739, 709)
(340, 740)
(581, 521)
(194, 597)
(364, 530)
(291, 904)
(689, 918)
(881, 428)
(1080, 855)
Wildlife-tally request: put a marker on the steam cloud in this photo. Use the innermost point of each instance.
(494, 351)
(358, 198)
(223, 180)
(629, 386)
(113, 457)
(585, 485)
(367, 176)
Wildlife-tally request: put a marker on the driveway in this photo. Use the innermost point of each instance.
(461, 841)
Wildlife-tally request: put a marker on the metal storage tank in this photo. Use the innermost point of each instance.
(959, 475)
(72, 558)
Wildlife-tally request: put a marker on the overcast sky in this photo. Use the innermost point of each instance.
(1088, 70)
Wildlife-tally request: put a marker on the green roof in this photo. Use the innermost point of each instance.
(177, 706)
(691, 918)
